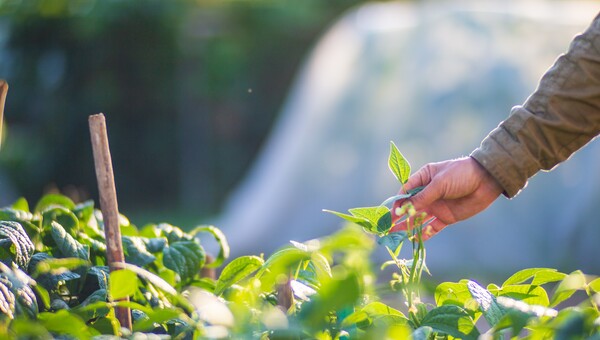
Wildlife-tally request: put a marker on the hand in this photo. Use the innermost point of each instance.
(454, 191)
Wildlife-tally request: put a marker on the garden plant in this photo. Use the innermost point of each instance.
(55, 283)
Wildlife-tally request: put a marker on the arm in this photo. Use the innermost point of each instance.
(560, 117)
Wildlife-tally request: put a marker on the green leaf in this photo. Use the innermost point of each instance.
(155, 245)
(15, 245)
(371, 312)
(135, 251)
(21, 204)
(54, 200)
(66, 218)
(122, 283)
(534, 295)
(16, 296)
(422, 333)
(220, 238)
(540, 276)
(66, 245)
(398, 164)
(150, 277)
(347, 217)
(172, 233)
(29, 329)
(155, 317)
(393, 240)
(378, 219)
(491, 310)
(595, 285)
(341, 292)
(567, 287)
(452, 320)
(237, 270)
(186, 258)
(64, 323)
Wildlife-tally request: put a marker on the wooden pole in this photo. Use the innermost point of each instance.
(108, 203)
(3, 91)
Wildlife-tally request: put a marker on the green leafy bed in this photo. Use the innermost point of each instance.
(55, 283)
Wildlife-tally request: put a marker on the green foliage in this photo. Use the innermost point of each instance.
(54, 283)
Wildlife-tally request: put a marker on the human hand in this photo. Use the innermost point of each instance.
(454, 191)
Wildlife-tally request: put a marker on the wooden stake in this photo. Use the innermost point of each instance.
(108, 203)
(3, 91)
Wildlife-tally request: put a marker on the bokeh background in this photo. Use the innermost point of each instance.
(256, 114)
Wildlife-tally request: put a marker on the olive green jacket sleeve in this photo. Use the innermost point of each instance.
(559, 118)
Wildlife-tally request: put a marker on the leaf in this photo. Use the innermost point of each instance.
(172, 233)
(15, 245)
(155, 317)
(530, 294)
(20, 204)
(63, 322)
(155, 245)
(347, 217)
(186, 258)
(122, 283)
(487, 303)
(220, 238)
(151, 277)
(66, 245)
(341, 292)
(16, 296)
(54, 200)
(567, 287)
(398, 164)
(540, 276)
(237, 270)
(135, 251)
(452, 320)
(595, 285)
(422, 333)
(62, 216)
(378, 219)
(393, 240)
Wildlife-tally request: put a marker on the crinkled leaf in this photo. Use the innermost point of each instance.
(398, 164)
(49, 272)
(237, 270)
(220, 238)
(65, 217)
(452, 320)
(135, 251)
(567, 287)
(15, 245)
(172, 233)
(491, 310)
(122, 283)
(393, 240)
(66, 245)
(16, 296)
(540, 276)
(186, 258)
(51, 200)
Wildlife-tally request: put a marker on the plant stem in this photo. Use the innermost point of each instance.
(3, 92)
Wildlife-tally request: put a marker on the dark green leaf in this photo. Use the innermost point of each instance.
(66, 218)
(237, 270)
(156, 244)
(172, 233)
(452, 320)
(398, 164)
(422, 333)
(135, 251)
(16, 296)
(393, 240)
(15, 245)
(186, 258)
(220, 238)
(66, 245)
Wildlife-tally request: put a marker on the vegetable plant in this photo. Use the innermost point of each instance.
(54, 283)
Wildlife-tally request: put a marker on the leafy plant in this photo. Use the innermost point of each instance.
(54, 283)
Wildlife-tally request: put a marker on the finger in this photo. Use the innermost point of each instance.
(420, 178)
(433, 228)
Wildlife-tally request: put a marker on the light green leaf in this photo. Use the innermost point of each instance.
(452, 320)
(220, 238)
(378, 219)
(21, 204)
(595, 285)
(398, 164)
(491, 310)
(347, 217)
(452, 293)
(237, 270)
(186, 258)
(534, 295)
(540, 276)
(63, 322)
(567, 287)
(122, 283)
(151, 277)
(54, 200)
(155, 317)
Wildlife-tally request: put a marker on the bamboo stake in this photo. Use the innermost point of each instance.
(3, 91)
(108, 203)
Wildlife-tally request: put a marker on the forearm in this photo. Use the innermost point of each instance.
(560, 117)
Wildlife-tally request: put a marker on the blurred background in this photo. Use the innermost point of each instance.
(256, 114)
